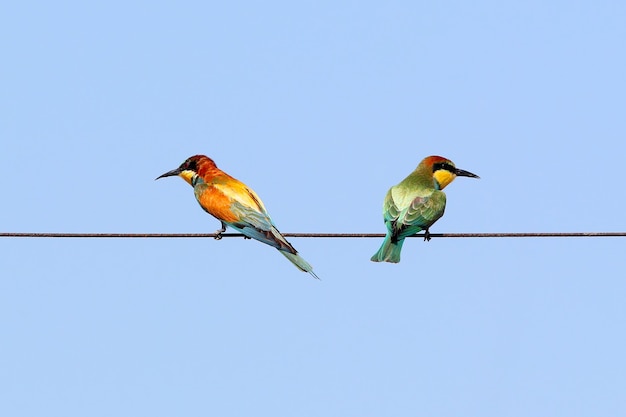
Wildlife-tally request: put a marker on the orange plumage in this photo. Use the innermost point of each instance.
(234, 204)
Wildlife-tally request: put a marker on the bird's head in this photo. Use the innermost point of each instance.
(443, 171)
(191, 168)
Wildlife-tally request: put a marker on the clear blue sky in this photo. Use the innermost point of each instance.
(320, 106)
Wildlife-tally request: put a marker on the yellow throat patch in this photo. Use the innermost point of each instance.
(443, 177)
(187, 175)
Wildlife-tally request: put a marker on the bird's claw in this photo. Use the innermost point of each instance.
(427, 236)
(247, 237)
(218, 232)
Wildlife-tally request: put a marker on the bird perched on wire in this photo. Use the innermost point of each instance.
(415, 204)
(234, 204)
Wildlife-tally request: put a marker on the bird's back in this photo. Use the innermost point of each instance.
(409, 208)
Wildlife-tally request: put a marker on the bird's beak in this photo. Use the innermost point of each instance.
(464, 173)
(169, 173)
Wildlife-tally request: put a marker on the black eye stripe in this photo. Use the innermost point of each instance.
(191, 165)
(444, 165)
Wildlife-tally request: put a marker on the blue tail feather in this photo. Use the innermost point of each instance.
(389, 251)
(299, 262)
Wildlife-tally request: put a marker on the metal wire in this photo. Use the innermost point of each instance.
(311, 235)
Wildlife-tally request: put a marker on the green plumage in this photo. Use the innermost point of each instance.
(409, 207)
(415, 204)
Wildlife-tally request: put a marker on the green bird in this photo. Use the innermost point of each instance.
(416, 203)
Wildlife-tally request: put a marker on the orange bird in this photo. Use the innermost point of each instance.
(234, 204)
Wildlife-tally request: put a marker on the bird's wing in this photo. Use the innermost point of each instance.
(242, 209)
(259, 226)
(424, 211)
(420, 213)
(391, 211)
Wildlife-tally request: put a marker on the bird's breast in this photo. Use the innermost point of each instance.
(216, 203)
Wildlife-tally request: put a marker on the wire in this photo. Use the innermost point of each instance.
(312, 235)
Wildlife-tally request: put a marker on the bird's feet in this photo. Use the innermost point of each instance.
(427, 236)
(218, 233)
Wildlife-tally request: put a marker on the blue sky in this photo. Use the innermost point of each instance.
(320, 107)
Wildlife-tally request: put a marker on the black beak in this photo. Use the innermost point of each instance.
(169, 173)
(464, 173)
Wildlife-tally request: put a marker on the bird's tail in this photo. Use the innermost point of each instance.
(299, 262)
(389, 251)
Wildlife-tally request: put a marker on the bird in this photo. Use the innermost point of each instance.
(234, 204)
(416, 203)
